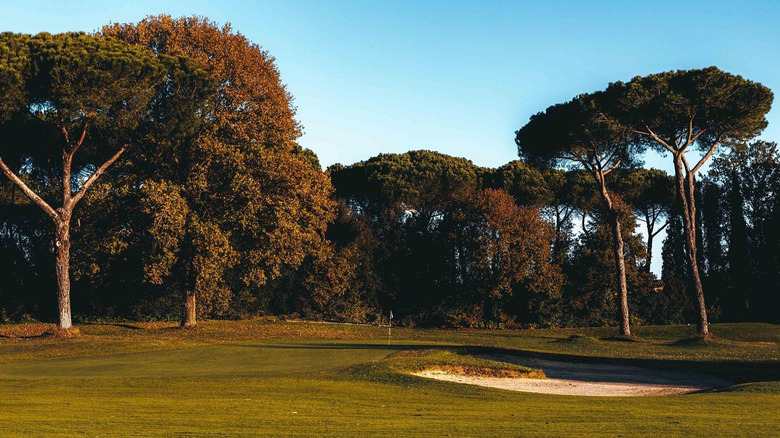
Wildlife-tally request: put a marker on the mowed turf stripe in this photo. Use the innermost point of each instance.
(318, 406)
(217, 360)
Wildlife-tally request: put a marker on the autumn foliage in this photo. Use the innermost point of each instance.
(202, 204)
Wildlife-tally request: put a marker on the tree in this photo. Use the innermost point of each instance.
(553, 191)
(405, 199)
(685, 110)
(504, 251)
(578, 132)
(65, 94)
(241, 200)
(24, 248)
(526, 184)
(592, 294)
(675, 272)
(649, 192)
(444, 251)
(748, 176)
(340, 282)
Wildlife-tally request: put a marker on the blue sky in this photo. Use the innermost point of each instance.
(457, 77)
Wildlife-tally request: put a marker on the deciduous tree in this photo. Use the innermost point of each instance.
(254, 203)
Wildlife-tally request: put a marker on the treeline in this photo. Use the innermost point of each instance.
(194, 200)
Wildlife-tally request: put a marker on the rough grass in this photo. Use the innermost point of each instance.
(250, 378)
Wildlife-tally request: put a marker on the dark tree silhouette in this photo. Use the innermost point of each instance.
(685, 110)
(650, 193)
(579, 132)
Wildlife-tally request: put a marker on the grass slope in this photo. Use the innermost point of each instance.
(458, 361)
(254, 378)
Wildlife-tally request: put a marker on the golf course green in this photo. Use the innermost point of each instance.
(250, 378)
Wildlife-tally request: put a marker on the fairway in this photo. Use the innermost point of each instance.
(213, 360)
(241, 379)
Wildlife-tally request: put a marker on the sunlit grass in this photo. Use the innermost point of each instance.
(248, 378)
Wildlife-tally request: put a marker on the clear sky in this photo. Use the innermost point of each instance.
(454, 76)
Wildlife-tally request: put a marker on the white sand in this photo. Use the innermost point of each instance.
(569, 378)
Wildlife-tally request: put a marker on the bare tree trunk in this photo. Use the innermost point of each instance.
(190, 312)
(62, 248)
(703, 325)
(686, 191)
(62, 215)
(620, 262)
(617, 238)
(650, 237)
(649, 262)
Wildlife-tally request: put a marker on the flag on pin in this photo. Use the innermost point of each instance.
(391, 314)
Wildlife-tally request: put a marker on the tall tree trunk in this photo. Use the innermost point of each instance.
(686, 191)
(617, 245)
(62, 215)
(650, 237)
(62, 249)
(190, 312)
(620, 262)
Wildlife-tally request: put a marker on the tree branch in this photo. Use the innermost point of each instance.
(65, 133)
(77, 197)
(690, 131)
(705, 157)
(81, 139)
(658, 139)
(660, 229)
(612, 168)
(685, 162)
(698, 135)
(28, 191)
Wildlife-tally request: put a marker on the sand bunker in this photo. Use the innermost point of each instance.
(569, 378)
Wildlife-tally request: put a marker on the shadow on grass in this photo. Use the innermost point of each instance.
(127, 326)
(43, 335)
(734, 371)
(351, 346)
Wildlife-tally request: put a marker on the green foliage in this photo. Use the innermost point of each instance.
(77, 102)
(648, 191)
(233, 202)
(444, 251)
(578, 131)
(61, 83)
(529, 186)
(217, 199)
(591, 295)
(15, 68)
(740, 238)
(714, 105)
(415, 181)
(168, 210)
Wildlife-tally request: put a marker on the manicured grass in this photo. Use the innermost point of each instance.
(252, 378)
